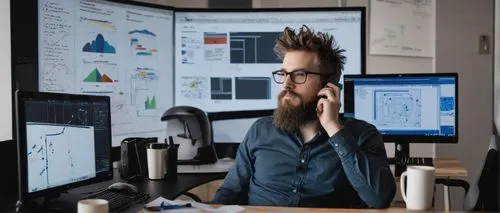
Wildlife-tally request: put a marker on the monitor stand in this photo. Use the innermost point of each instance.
(403, 159)
(402, 152)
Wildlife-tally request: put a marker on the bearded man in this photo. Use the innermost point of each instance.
(306, 154)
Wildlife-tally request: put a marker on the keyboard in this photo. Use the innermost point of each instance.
(415, 161)
(119, 200)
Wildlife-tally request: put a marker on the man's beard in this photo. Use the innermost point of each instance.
(288, 117)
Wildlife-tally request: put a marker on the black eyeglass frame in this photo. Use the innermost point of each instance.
(293, 75)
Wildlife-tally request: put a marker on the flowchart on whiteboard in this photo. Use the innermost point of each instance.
(402, 27)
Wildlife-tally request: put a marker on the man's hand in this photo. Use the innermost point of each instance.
(328, 109)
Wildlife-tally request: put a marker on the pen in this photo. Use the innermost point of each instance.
(167, 207)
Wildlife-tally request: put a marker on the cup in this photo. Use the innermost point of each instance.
(93, 206)
(419, 187)
(171, 161)
(156, 153)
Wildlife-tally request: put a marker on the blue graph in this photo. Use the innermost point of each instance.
(99, 45)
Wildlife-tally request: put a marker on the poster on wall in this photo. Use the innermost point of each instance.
(402, 27)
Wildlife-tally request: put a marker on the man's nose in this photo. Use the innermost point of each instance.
(288, 83)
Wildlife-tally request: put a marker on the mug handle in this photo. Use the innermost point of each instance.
(402, 184)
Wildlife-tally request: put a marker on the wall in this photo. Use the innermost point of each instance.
(5, 72)
(496, 64)
(459, 24)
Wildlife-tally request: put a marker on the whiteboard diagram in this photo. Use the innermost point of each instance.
(59, 154)
(397, 108)
(402, 27)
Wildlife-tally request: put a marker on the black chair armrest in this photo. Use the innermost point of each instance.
(454, 182)
(192, 196)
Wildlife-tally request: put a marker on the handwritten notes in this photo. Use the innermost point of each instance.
(402, 27)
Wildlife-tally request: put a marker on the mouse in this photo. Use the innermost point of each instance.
(123, 187)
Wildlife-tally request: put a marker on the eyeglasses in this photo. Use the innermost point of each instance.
(297, 76)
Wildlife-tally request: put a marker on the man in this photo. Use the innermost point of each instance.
(306, 155)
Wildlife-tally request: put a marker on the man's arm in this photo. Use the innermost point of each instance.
(234, 190)
(365, 164)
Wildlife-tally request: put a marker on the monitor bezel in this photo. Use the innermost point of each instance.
(415, 138)
(20, 97)
(363, 37)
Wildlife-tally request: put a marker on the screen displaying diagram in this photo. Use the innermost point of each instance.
(99, 47)
(224, 60)
(409, 105)
(397, 108)
(62, 138)
(59, 154)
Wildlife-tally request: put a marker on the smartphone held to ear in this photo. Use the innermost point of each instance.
(334, 82)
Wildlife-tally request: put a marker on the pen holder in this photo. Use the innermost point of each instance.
(171, 160)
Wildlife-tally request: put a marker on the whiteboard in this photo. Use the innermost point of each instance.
(402, 27)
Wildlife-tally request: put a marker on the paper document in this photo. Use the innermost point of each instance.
(197, 207)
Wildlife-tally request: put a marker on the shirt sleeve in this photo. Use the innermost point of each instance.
(365, 164)
(234, 190)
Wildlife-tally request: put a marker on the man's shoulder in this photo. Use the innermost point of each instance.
(264, 122)
(262, 126)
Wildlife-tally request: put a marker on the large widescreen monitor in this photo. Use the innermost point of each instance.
(224, 58)
(408, 108)
(120, 50)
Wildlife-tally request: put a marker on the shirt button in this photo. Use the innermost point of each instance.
(302, 161)
(294, 191)
(336, 144)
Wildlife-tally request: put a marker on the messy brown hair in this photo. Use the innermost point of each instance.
(330, 56)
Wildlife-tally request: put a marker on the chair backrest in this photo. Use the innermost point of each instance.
(484, 195)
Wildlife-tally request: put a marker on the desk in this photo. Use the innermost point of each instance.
(445, 169)
(155, 188)
(449, 167)
(252, 209)
(170, 189)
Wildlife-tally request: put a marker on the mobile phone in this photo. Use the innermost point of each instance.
(334, 82)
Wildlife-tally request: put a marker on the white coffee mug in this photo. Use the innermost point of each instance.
(93, 206)
(419, 187)
(156, 153)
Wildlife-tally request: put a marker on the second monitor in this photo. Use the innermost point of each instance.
(416, 108)
(406, 108)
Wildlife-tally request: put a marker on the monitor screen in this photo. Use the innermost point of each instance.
(408, 106)
(63, 141)
(120, 50)
(224, 131)
(224, 59)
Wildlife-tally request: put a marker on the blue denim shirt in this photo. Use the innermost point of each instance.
(276, 168)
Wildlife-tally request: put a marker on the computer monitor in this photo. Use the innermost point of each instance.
(405, 108)
(230, 128)
(224, 57)
(63, 140)
(121, 49)
(416, 108)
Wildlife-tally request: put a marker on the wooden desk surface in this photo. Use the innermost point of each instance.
(449, 167)
(320, 210)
